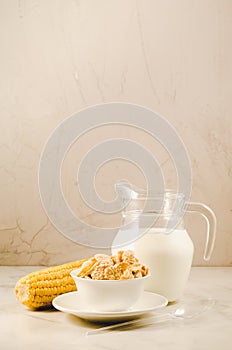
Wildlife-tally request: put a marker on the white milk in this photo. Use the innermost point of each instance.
(169, 258)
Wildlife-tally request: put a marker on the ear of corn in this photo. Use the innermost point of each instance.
(38, 289)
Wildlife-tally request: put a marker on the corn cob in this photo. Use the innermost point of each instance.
(38, 289)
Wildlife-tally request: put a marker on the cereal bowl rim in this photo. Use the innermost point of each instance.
(89, 280)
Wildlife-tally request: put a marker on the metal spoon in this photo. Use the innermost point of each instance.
(184, 311)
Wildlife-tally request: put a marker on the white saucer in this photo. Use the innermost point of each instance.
(71, 303)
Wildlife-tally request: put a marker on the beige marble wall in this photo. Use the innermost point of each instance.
(58, 57)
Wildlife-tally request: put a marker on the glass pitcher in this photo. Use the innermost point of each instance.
(154, 228)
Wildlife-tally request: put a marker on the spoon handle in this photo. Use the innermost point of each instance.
(140, 322)
(180, 313)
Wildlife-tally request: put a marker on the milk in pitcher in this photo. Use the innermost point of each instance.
(169, 258)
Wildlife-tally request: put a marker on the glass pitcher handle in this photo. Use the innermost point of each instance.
(210, 218)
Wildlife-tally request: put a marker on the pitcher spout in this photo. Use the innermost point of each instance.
(125, 190)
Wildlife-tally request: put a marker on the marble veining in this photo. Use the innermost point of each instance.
(51, 329)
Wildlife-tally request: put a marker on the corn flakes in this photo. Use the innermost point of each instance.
(122, 266)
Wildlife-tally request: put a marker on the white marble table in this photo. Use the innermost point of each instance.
(21, 328)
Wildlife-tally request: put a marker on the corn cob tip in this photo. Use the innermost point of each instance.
(37, 289)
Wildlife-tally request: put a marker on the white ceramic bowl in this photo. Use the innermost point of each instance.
(108, 295)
